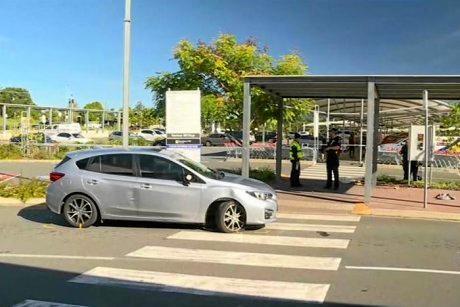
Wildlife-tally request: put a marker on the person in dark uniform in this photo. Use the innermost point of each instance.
(295, 155)
(351, 147)
(405, 163)
(332, 159)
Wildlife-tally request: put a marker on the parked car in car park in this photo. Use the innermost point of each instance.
(151, 135)
(239, 136)
(118, 135)
(71, 138)
(141, 184)
(219, 139)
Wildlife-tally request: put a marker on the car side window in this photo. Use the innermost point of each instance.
(117, 164)
(159, 168)
(92, 164)
(65, 135)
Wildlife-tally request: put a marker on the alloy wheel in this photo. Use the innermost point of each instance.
(234, 218)
(79, 211)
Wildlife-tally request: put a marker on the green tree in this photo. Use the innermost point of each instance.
(15, 95)
(453, 119)
(94, 116)
(142, 116)
(218, 68)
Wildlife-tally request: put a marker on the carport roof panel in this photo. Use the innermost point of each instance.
(388, 87)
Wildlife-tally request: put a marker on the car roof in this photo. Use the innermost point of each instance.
(81, 154)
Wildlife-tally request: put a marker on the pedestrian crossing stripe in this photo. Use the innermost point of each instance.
(204, 285)
(319, 171)
(260, 239)
(312, 227)
(34, 303)
(320, 217)
(237, 258)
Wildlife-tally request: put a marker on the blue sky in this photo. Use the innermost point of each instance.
(56, 48)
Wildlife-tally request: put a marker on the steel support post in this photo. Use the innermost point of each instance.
(87, 121)
(327, 119)
(126, 72)
(279, 140)
(50, 114)
(246, 129)
(103, 121)
(427, 148)
(4, 118)
(371, 142)
(361, 120)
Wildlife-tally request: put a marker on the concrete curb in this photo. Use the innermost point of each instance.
(29, 161)
(362, 209)
(14, 202)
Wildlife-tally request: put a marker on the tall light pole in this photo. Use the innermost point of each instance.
(126, 72)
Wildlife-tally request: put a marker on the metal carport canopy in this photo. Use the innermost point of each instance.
(373, 88)
(388, 87)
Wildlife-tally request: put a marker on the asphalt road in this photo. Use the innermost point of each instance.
(39, 256)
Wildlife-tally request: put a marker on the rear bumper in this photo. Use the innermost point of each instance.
(54, 197)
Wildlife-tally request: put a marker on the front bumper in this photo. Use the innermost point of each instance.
(259, 212)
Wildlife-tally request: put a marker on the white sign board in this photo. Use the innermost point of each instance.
(416, 144)
(183, 123)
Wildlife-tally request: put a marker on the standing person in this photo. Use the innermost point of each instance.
(332, 159)
(295, 155)
(351, 147)
(405, 162)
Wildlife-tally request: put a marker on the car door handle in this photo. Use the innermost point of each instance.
(146, 186)
(92, 181)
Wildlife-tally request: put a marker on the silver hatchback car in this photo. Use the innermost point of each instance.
(144, 185)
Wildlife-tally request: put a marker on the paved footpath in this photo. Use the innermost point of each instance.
(336, 259)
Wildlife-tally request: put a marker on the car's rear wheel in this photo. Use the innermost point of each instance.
(230, 217)
(80, 211)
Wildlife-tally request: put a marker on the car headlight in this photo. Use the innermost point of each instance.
(260, 195)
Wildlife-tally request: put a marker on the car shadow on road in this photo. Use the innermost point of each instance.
(40, 214)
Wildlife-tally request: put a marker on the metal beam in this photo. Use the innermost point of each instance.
(279, 139)
(361, 120)
(246, 129)
(371, 142)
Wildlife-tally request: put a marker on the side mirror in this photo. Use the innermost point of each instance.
(187, 179)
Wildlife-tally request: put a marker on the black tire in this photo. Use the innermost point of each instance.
(226, 217)
(80, 211)
(208, 144)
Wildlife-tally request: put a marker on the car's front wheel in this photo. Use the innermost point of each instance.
(80, 211)
(230, 217)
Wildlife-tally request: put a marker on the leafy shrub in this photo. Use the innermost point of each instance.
(10, 151)
(24, 190)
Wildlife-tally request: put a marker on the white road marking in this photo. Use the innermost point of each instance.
(376, 268)
(203, 285)
(34, 303)
(259, 239)
(8, 255)
(329, 217)
(312, 227)
(237, 258)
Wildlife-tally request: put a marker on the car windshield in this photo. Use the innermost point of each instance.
(200, 168)
(79, 136)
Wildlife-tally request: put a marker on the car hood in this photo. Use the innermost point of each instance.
(248, 182)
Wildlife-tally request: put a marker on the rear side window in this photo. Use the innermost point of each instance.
(117, 164)
(92, 164)
(66, 158)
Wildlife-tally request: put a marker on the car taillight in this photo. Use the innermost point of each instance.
(55, 176)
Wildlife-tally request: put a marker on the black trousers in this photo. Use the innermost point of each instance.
(413, 170)
(332, 168)
(295, 173)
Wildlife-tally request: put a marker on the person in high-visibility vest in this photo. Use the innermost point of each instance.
(295, 155)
